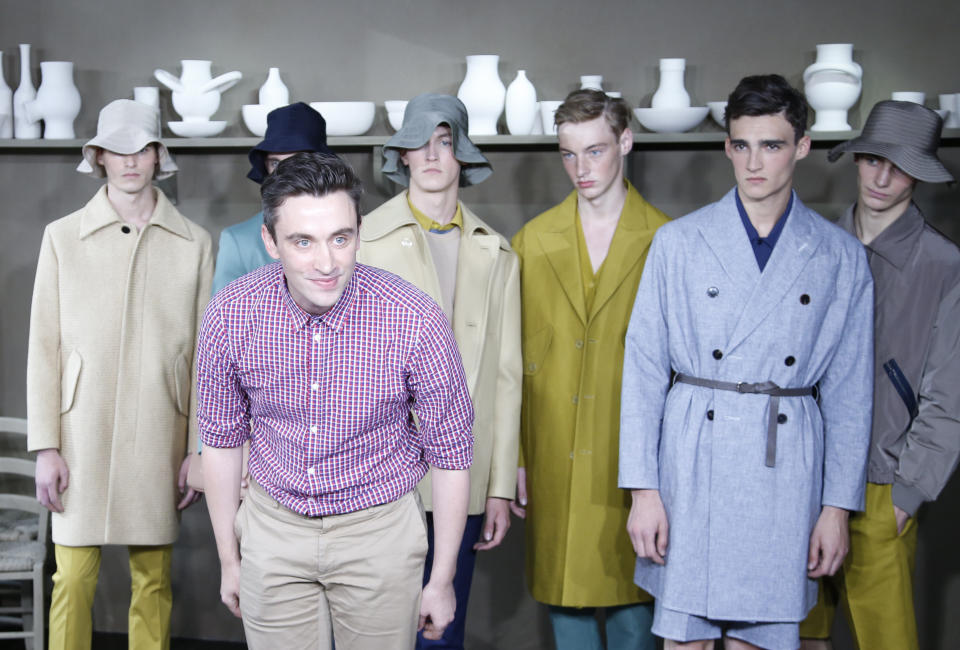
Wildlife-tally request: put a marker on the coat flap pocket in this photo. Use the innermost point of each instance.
(69, 380)
(181, 375)
(535, 350)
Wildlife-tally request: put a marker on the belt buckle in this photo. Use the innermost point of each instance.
(740, 385)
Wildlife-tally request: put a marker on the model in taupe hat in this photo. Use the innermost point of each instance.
(126, 127)
(915, 423)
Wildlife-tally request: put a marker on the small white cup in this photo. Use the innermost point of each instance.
(547, 110)
(592, 81)
(911, 96)
(149, 95)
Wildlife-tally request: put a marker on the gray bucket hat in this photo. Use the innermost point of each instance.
(906, 134)
(126, 127)
(422, 116)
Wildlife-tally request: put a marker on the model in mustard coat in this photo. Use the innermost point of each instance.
(578, 553)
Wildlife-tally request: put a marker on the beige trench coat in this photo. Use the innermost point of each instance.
(578, 550)
(486, 324)
(110, 365)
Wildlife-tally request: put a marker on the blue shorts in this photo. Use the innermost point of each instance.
(682, 627)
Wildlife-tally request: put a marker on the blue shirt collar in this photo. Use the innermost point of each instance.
(762, 246)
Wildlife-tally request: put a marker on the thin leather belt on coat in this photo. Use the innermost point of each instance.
(762, 388)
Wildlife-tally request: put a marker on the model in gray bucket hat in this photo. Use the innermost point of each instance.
(423, 114)
(913, 451)
(126, 127)
(906, 134)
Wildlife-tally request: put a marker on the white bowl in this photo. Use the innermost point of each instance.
(670, 120)
(717, 110)
(395, 110)
(346, 118)
(255, 117)
(197, 128)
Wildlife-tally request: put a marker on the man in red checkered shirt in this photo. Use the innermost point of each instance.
(348, 383)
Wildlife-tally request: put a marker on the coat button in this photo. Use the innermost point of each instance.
(710, 415)
(789, 361)
(782, 418)
(804, 299)
(125, 229)
(717, 354)
(713, 292)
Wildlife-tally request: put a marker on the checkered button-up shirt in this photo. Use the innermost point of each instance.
(348, 408)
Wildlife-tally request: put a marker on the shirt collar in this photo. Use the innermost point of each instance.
(770, 239)
(430, 225)
(334, 317)
(897, 242)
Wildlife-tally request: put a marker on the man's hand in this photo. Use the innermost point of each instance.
(829, 542)
(437, 607)
(52, 477)
(902, 517)
(647, 525)
(496, 523)
(190, 496)
(230, 586)
(519, 505)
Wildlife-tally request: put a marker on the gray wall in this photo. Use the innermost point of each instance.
(382, 49)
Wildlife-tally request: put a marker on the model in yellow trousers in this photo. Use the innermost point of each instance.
(74, 584)
(875, 587)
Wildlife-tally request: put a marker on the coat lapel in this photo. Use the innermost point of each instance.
(560, 247)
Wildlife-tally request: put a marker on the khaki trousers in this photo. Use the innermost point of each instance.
(357, 575)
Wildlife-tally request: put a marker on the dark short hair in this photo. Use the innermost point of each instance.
(586, 104)
(307, 174)
(767, 94)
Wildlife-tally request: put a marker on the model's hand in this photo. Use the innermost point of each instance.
(437, 606)
(230, 586)
(829, 542)
(647, 525)
(519, 505)
(902, 517)
(53, 477)
(190, 496)
(496, 523)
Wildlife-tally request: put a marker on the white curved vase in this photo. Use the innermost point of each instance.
(196, 96)
(482, 93)
(521, 105)
(671, 92)
(832, 85)
(273, 92)
(57, 102)
(23, 126)
(6, 105)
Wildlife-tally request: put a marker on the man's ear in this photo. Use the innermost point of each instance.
(803, 147)
(269, 242)
(626, 141)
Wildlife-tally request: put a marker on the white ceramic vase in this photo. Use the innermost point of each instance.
(482, 93)
(591, 82)
(671, 92)
(23, 126)
(274, 93)
(57, 102)
(832, 85)
(196, 96)
(521, 105)
(6, 105)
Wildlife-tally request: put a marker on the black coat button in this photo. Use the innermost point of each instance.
(710, 414)
(789, 361)
(782, 418)
(717, 354)
(125, 229)
(804, 299)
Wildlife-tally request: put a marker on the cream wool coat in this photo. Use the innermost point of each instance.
(110, 365)
(486, 324)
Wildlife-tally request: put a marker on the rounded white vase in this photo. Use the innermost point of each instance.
(273, 92)
(6, 105)
(482, 93)
(58, 100)
(196, 96)
(832, 85)
(521, 105)
(23, 126)
(671, 92)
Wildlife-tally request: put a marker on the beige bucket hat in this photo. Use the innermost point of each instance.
(126, 127)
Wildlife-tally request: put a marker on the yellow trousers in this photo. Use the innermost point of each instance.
(74, 584)
(875, 586)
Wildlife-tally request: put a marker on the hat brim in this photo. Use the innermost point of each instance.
(258, 155)
(917, 163)
(125, 141)
(416, 132)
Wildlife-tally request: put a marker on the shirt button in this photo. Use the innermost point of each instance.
(531, 367)
(578, 344)
(804, 299)
(789, 361)
(313, 429)
(317, 337)
(311, 471)
(782, 418)
(710, 415)
(717, 354)
(574, 400)
(315, 386)
(125, 229)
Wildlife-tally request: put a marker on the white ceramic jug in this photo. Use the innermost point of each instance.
(57, 102)
(521, 105)
(482, 93)
(196, 96)
(671, 93)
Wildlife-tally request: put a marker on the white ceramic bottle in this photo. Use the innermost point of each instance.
(482, 93)
(671, 93)
(23, 127)
(832, 85)
(521, 105)
(6, 105)
(57, 102)
(274, 93)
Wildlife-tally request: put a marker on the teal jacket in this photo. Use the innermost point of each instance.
(241, 251)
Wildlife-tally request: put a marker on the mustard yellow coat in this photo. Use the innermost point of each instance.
(578, 552)
(109, 367)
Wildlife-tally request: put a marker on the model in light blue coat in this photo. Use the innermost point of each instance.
(738, 529)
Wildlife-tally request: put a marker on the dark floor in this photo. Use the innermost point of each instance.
(103, 641)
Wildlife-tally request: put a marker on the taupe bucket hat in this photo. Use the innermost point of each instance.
(422, 116)
(906, 134)
(126, 127)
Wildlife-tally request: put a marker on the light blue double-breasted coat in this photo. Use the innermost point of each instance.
(739, 530)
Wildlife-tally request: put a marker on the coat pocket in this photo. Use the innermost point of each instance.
(535, 349)
(181, 377)
(69, 380)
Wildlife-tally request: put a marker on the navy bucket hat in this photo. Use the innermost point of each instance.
(292, 128)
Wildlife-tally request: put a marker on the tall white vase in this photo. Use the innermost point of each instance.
(671, 93)
(23, 126)
(482, 93)
(521, 105)
(6, 105)
(274, 93)
(832, 85)
(57, 102)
